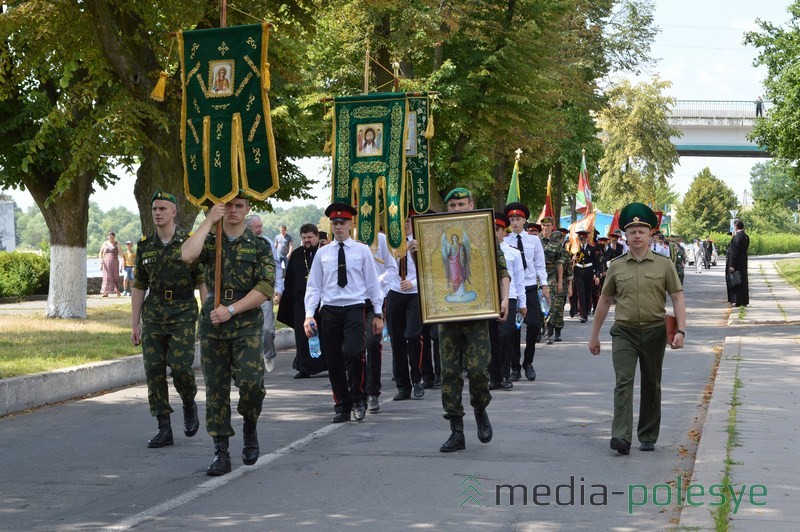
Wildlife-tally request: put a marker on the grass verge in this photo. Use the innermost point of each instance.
(722, 514)
(789, 269)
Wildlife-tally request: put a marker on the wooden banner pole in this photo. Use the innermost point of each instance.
(218, 257)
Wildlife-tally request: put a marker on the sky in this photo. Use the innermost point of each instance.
(700, 51)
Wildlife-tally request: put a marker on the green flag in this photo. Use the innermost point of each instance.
(513, 189)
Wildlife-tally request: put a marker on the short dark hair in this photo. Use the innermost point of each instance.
(739, 224)
(309, 228)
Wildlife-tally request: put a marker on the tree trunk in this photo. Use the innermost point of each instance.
(557, 190)
(67, 219)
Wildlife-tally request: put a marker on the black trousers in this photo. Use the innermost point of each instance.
(532, 330)
(501, 335)
(302, 360)
(583, 286)
(374, 354)
(342, 336)
(405, 330)
(431, 361)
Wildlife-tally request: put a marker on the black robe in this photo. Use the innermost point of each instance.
(737, 253)
(291, 309)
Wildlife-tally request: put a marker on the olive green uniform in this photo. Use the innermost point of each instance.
(559, 299)
(466, 344)
(169, 317)
(639, 335)
(234, 349)
(553, 256)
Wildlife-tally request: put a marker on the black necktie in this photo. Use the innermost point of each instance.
(522, 252)
(342, 267)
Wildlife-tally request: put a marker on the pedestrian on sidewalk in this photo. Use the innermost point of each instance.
(230, 334)
(164, 323)
(639, 282)
(737, 264)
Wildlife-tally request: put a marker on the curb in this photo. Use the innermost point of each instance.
(32, 391)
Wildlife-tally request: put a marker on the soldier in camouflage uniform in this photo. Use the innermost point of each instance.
(556, 317)
(230, 334)
(466, 344)
(554, 263)
(164, 323)
(678, 254)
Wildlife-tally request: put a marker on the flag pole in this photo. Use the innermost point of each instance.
(223, 12)
(366, 71)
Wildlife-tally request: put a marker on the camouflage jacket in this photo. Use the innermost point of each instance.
(171, 281)
(553, 255)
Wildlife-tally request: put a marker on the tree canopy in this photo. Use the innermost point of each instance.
(706, 207)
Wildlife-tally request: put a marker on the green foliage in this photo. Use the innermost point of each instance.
(775, 183)
(23, 274)
(769, 218)
(639, 156)
(771, 243)
(705, 207)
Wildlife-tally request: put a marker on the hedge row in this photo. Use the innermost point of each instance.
(768, 244)
(23, 274)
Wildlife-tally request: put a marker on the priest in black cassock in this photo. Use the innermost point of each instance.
(291, 309)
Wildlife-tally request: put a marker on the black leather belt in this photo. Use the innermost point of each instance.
(182, 294)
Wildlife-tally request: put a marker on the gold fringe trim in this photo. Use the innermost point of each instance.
(265, 79)
(327, 147)
(158, 91)
(430, 129)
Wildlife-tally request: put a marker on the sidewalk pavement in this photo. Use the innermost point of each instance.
(757, 382)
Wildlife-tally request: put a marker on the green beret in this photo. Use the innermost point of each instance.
(161, 195)
(458, 193)
(637, 214)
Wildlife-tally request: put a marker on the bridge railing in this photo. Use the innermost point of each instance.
(716, 109)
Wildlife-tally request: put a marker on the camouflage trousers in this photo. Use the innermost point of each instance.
(464, 345)
(242, 360)
(168, 346)
(557, 301)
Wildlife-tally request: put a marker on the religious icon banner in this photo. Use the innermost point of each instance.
(226, 126)
(417, 150)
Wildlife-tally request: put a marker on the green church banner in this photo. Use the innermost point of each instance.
(380, 153)
(226, 126)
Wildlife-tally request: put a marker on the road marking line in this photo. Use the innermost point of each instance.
(217, 482)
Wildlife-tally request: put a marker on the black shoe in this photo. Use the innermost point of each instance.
(621, 446)
(558, 334)
(360, 411)
(583, 320)
(401, 396)
(419, 391)
(549, 340)
(190, 421)
(250, 449)
(341, 417)
(647, 446)
(515, 376)
(437, 383)
(530, 373)
(494, 385)
(164, 435)
(456, 440)
(484, 427)
(301, 375)
(372, 404)
(222, 458)
(507, 384)
(427, 384)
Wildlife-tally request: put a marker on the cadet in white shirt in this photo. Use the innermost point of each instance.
(342, 277)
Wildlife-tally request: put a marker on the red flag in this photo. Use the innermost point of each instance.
(583, 198)
(547, 208)
(614, 223)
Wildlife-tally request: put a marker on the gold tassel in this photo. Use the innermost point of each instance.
(265, 81)
(161, 85)
(327, 147)
(429, 129)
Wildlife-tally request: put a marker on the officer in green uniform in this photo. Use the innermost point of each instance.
(164, 323)
(230, 334)
(554, 259)
(466, 344)
(639, 281)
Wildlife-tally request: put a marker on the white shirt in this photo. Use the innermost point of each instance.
(384, 262)
(393, 281)
(516, 288)
(362, 278)
(534, 257)
(278, 267)
(661, 250)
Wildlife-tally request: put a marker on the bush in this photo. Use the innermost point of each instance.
(761, 244)
(23, 274)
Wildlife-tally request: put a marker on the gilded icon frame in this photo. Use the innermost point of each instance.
(456, 263)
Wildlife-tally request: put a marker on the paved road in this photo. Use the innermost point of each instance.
(84, 464)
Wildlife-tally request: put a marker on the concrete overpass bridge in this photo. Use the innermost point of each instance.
(713, 128)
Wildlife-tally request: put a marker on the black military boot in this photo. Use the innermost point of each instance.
(222, 458)
(250, 449)
(190, 421)
(558, 334)
(456, 440)
(549, 335)
(164, 436)
(484, 427)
